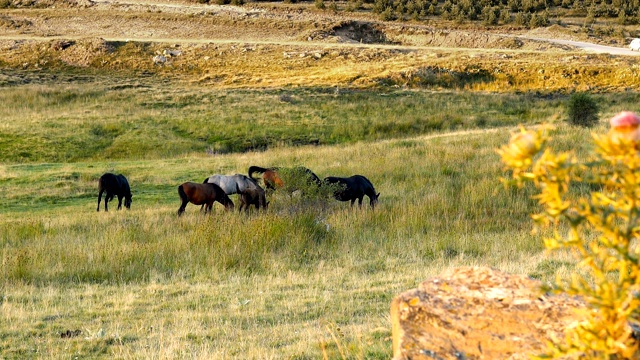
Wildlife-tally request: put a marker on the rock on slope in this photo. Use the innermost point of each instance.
(477, 313)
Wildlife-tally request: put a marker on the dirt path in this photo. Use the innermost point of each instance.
(590, 47)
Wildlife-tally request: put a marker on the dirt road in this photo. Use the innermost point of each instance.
(590, 47)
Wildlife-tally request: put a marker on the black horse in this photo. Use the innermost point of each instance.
(352, 188)
(114, 185)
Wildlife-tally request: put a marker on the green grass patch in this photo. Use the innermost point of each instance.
(70, 123)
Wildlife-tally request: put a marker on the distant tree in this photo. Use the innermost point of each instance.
(528, 6)
(400, 7)
(539, 20)
(380, 5)
(522, 19)
(388, 15)
(505, 16)
(490, 15)
(447, 6)
(622, 17)
(515, 5)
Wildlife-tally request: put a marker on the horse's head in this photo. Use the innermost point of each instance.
(127, 201)
(229, 205)
(263, 200)
(373, 200)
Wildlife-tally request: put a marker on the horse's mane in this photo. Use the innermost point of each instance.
(369, 182)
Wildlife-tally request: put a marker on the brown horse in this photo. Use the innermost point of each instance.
(202, 194)
(270, 177)
(294, 178)
(251, 196)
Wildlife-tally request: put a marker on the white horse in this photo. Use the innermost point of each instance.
(248, 190)
(231, 183)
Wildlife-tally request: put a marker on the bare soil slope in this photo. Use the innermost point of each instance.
(273, 45)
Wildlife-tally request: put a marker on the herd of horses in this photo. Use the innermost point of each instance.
(217, 188)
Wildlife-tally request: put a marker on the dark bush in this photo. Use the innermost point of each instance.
(582, 110)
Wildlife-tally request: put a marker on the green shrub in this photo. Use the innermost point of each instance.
(582, 110)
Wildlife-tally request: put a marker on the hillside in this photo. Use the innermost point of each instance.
(271, 45)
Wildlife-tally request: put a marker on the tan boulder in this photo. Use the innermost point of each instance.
(477, 313)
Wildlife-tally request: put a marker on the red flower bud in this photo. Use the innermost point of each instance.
(624, 127)
(625, 119)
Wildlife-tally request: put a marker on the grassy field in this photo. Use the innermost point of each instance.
(307, 279)
(420, 114)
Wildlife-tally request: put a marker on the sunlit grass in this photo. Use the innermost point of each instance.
(285, 283)
(69, 123)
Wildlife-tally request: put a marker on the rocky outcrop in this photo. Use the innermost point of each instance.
(477, 313)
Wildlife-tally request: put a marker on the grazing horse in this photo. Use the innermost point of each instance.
(114, 185)
(251, 196)
(273, 177)
(352, 188)
(238, 183)
(202, 194)
(231, 183)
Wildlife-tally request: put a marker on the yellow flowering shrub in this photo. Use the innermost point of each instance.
(601, 229)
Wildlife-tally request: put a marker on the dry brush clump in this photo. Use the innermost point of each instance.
(599, 227)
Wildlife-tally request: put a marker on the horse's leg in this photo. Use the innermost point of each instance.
(182, 207)
(107, 198)
(360, 201)
(119, 202)
(99, 199)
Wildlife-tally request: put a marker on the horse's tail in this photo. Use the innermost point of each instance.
(254, 169)
(183, 195)
(101, 184)
(314, 178)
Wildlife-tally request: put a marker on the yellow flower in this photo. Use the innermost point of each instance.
(520, 149)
